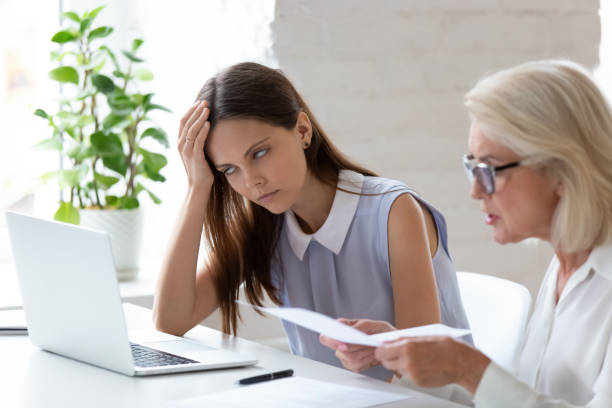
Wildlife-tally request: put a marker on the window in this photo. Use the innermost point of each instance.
(185, 44)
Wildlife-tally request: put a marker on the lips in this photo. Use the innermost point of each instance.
(491, 218)
(267, 196)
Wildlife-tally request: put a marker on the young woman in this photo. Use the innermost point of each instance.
(287, 215)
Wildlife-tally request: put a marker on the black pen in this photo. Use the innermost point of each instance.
(266, 377)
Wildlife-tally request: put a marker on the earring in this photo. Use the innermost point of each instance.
(306, 145)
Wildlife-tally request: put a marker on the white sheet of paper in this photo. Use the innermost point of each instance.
(298, 392)
(12, 322)
(320, 323)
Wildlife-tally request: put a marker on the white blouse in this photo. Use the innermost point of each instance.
(566, 357)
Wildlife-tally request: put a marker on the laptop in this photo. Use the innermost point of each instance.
(73, 307)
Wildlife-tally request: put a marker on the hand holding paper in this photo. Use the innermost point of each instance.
(329, 327)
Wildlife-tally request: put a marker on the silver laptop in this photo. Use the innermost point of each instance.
(73, 307)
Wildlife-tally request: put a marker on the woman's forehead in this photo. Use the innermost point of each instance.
(483, 147)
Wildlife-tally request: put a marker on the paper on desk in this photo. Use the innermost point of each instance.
(332, 328)
(296, 392)
(13, 322)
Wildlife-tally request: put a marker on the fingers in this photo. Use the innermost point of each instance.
(348, 322)
(193, 127)
(373, 326)
(196, 127)
(393, 354)
(331, 343)
(359, 360)
(190, 118)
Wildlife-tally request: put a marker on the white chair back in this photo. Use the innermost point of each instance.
(497, 310)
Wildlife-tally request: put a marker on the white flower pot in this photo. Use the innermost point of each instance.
(125, 230)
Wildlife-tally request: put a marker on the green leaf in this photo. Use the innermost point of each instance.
(80, 152)
(67, 213)
(65, 74)
(153, 106)
(103, 83)
(86, 93)
(41, 113)
(48, 176)
(120, 74)
(111, 55)
(94, 13)
(112, 201)
(157, 134)
(100, 32)
(120, 103)
(63, 36)
(52, 143)
(84, 120)
(128, 203)
(153, 161)
(115, 121)
(105, 182)
(73, 16)
(116, 163)
(72, 177)
(143, 74)
(85, 23)
(59, 56)
(106, 145)
(136, 43)
(132, 57)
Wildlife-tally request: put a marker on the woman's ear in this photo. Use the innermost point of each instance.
(303, 128)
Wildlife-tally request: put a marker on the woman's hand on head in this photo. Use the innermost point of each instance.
(193, 131)
(356, 357)
(434, 361)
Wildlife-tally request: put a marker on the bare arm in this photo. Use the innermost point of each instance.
(412, 243)
(412, 238)
(184, 298)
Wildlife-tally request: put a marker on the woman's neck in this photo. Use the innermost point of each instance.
(568, 264)
(313, 204)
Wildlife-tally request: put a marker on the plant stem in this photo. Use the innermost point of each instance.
(131, 134)
(127, 76)
(95, 184)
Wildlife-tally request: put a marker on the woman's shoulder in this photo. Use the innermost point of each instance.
(382, 185)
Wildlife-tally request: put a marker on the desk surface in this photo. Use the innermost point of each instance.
(32, 378)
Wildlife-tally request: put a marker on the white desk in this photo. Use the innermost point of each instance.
(32, 378)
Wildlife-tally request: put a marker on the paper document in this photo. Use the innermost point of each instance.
(297, 392)
(320, 323)
(12, 322)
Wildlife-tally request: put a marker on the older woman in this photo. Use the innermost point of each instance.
(540, 161)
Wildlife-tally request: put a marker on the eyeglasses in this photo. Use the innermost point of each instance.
(483, 172)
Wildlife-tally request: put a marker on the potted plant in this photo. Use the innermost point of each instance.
(100, 130)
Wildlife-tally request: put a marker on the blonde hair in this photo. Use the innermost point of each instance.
(553, 115)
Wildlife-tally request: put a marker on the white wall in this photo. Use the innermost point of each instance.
(386, 79)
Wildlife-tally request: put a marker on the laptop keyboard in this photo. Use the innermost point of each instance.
(148, 357)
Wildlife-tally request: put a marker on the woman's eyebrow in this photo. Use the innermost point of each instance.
(249, 150)
(255, 145)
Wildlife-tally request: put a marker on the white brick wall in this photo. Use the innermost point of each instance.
(386, 79)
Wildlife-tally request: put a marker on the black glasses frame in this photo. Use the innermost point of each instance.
(484, 173)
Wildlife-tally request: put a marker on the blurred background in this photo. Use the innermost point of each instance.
(385, 78)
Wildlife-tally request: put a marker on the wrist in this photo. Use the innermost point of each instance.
(199, 190)
(472, 365)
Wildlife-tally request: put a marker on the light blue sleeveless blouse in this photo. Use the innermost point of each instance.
(343, 269)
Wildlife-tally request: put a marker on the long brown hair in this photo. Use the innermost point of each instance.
(242, 236)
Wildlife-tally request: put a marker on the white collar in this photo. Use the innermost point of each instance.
(333, 232)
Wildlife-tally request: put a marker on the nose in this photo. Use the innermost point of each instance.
(476, 190)
(253, 178)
